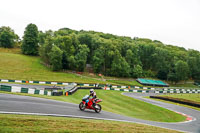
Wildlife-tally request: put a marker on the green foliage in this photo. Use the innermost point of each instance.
(30, 40)
(8, 39)
(56, 58)
(181, 70)
(120, 67)
(81, 57)
(137, 71)
(120, 56)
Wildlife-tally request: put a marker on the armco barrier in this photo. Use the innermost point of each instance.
(177, 100)
(24, 90)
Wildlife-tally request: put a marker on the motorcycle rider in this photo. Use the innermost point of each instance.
(94, 96)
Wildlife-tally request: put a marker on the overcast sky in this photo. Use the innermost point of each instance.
(175, 22)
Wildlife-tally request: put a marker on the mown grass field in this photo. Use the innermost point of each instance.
(47, 124)
(192, 97)
(114, 101)
(22, 67)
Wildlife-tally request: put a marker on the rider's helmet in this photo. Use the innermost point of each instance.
(91, 91)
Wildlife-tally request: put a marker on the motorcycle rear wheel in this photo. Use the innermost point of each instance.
(98, 108)
(81, 106)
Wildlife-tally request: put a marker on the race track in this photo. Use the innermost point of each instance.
(31, 105)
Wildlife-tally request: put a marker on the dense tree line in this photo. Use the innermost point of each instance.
(118, 56)
(111, 55)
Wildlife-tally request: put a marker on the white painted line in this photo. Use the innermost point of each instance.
(30, 81)
(145, 88)
(114, 86)
(123, 86)
(137, 87)
(117, 89)
(126, 90)
(134, 90)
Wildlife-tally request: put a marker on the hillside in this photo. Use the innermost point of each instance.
(14, 65)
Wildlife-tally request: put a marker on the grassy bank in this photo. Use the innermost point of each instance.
(192, 97)
(22, 67)
(114, 101)
(43, 124)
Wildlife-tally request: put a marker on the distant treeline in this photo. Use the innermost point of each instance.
(109, 54)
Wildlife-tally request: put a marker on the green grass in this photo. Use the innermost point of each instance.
(22, 67)
(16, 66)
(47, 124)
(186, 85)
(192, 97)
(174, 103)
(114, 101)
(125, 82)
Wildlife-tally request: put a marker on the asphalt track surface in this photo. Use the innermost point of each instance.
(31, 105)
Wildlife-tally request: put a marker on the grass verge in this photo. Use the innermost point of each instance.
(114, 102)
(43, 124)
(192, 97)
(175, 103)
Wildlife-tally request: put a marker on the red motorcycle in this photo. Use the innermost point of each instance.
(87, 103)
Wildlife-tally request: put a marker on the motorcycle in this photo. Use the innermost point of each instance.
(87, 103)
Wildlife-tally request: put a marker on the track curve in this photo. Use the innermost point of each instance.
(31, 105)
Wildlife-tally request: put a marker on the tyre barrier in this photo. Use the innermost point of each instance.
(180, 89)
(128, 90)
(117, 87)
(74, 89)
(178, 100)
(36, 82)
(57, 93)
(24, 90)
(177, 91)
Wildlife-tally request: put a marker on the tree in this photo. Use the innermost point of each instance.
(97, 61)
(56, 58)
(137, 71)
(120, 67)
(45, 49)
(81, 57)
(30, 40)
(7, 37)
(182, 70)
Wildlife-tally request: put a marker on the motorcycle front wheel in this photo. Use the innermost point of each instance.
(98, 108)
(81, 106)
